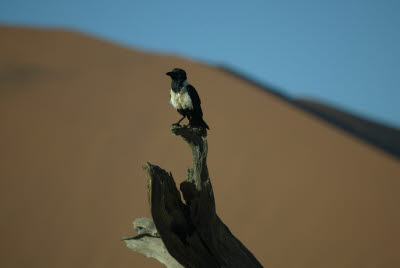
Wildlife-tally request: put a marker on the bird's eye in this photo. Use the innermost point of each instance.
(139, 228)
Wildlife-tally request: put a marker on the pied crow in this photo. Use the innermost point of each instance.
(185, 99)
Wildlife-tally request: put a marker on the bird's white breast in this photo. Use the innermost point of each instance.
(181, 100)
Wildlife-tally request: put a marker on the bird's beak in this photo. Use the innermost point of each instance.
(171, 74)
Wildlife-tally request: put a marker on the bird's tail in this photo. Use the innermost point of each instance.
(198, 122)
(204, 124)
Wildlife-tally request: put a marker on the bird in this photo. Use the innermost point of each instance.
(185, 99)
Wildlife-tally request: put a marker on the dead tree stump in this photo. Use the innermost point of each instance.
(192, 232)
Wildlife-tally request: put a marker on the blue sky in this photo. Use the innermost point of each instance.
(343, 52)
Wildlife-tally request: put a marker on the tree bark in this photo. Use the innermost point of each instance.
(192, 232)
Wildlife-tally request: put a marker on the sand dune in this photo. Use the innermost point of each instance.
(80, 116)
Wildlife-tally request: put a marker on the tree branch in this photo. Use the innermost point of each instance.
(149, 243)
(192, 232)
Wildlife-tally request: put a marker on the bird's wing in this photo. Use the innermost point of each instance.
(193, 96)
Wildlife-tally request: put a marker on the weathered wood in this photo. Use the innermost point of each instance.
(192, 232)
(149, 243)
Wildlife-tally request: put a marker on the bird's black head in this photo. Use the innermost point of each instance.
(177, 75)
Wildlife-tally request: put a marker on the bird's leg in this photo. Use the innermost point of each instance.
(180, 120)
